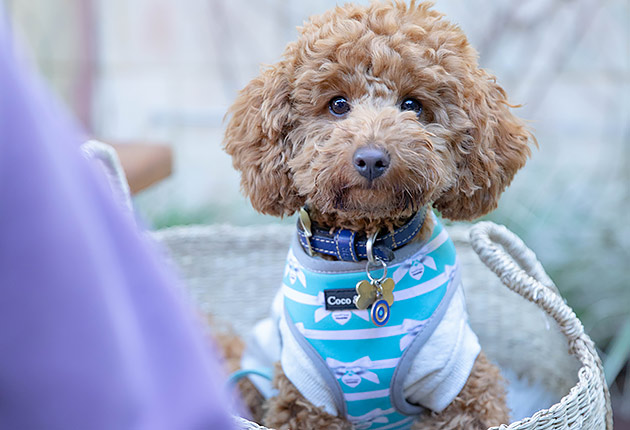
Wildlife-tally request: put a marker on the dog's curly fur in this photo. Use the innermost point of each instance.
(458, 155)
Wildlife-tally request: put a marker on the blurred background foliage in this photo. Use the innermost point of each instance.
(167, 70)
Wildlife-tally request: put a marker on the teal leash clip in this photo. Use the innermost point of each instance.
(266, 373)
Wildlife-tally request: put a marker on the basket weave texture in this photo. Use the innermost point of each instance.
(234, 272)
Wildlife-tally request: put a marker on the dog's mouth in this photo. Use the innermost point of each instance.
(370, 199)
(364, 207)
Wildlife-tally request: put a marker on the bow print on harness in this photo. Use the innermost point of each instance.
(412, 328)
(294, 269)
(415, 267)
(365, 421)
(354, 372)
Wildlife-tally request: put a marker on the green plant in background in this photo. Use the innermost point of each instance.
(618, 353)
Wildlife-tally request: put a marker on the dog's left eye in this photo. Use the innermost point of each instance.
(411, 104)
(339, 106)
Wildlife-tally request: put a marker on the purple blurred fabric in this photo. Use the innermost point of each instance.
(93, 334)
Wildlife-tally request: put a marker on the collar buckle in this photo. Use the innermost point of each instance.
(305, 221)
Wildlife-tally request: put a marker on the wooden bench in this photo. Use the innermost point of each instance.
(144, 163)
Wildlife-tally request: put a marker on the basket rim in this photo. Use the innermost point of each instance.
(519, 270)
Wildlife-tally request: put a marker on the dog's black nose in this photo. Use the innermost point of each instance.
(370, 161)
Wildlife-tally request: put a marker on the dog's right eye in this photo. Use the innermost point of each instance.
(412, 105)
(339, 106)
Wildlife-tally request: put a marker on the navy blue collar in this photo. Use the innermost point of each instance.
(347, 245)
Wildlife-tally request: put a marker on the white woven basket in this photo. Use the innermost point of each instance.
(233, 273)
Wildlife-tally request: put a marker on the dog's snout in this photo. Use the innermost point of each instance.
(370, 161)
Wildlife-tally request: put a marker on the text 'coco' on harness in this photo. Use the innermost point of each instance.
(379, 293)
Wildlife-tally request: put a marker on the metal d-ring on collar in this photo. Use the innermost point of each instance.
(372, 260)
(369, 247)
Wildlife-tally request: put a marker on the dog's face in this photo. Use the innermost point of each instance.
(374, 112)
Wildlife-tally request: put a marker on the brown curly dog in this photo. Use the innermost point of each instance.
(372, 114)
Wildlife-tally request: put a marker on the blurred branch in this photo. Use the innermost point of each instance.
(559, 57)
(501, 20)
(88, 55)
(625, 168)
(618, 353)
(229, 38)
(506, 19)
(222, 40)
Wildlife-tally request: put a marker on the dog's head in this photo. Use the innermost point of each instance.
(372, 113)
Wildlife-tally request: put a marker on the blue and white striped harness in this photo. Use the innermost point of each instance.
(365, 365)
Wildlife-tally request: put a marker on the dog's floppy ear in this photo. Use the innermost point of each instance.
(255, 138)
(488, 154)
